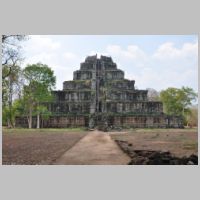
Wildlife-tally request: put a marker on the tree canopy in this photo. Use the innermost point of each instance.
(39, 81)
(11, 74)
(11, 52)
(177, 101)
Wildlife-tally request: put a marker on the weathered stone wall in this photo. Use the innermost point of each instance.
(63, 107)
(55, 122)
(121, 84)
(135, 107)
(140, 121)
(77, 85)
(114, 74)
(125, 121)
(63, 122)
(73, 96)
(82, 75)
(123, 95)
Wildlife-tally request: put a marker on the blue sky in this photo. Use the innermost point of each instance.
(153, 61)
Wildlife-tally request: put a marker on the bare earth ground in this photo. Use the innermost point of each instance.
(68, 146)
(180, 142)
(30, 147)
(96, 148)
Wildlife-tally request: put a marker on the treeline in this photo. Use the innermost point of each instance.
(179, 102)
(27, 98)
(24, 91)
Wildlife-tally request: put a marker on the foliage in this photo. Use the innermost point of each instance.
(10, 114)
(39, 81)
(21, 107)
(45, 114)
(11, 89)
(40, 73)
(11, 52)
(5, 116)
(178, 101)
(192, 117)
(11, 74)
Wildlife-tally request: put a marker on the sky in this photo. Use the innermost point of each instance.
(153, 61)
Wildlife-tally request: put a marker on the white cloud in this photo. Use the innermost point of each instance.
(41, 49)
(114, 49)
(69, 56)
(150, 78)
(46, 58)
(169, 51)
(132, 52)
(41, 43)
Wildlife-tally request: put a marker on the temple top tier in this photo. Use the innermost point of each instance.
(94, 58)
(102, 67)
(102, 63)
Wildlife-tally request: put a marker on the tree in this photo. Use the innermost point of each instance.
(44, 113)
(186, 96)
(152, 94)
(11, 60)
(40, 80)
(9, 115)
(191, 117)
(11, 52)
(169, 97)
(11, 86)
(178, 101)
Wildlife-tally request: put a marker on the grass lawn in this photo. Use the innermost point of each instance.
(42, 130)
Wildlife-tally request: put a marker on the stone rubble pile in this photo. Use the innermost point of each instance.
(148, 157)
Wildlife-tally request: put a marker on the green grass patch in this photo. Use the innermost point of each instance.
(162, 130)
(42, 130)
(191, 146)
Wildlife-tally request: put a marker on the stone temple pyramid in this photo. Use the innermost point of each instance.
(99, 96)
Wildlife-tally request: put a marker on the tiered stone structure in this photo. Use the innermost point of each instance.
(100, 96)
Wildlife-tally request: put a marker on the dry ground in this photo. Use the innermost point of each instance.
(46, 146)
(96, 148)
(180, 142)
(29, 147)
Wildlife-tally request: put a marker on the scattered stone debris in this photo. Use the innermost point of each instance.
(147, 157)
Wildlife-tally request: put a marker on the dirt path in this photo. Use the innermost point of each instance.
(96, 148)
